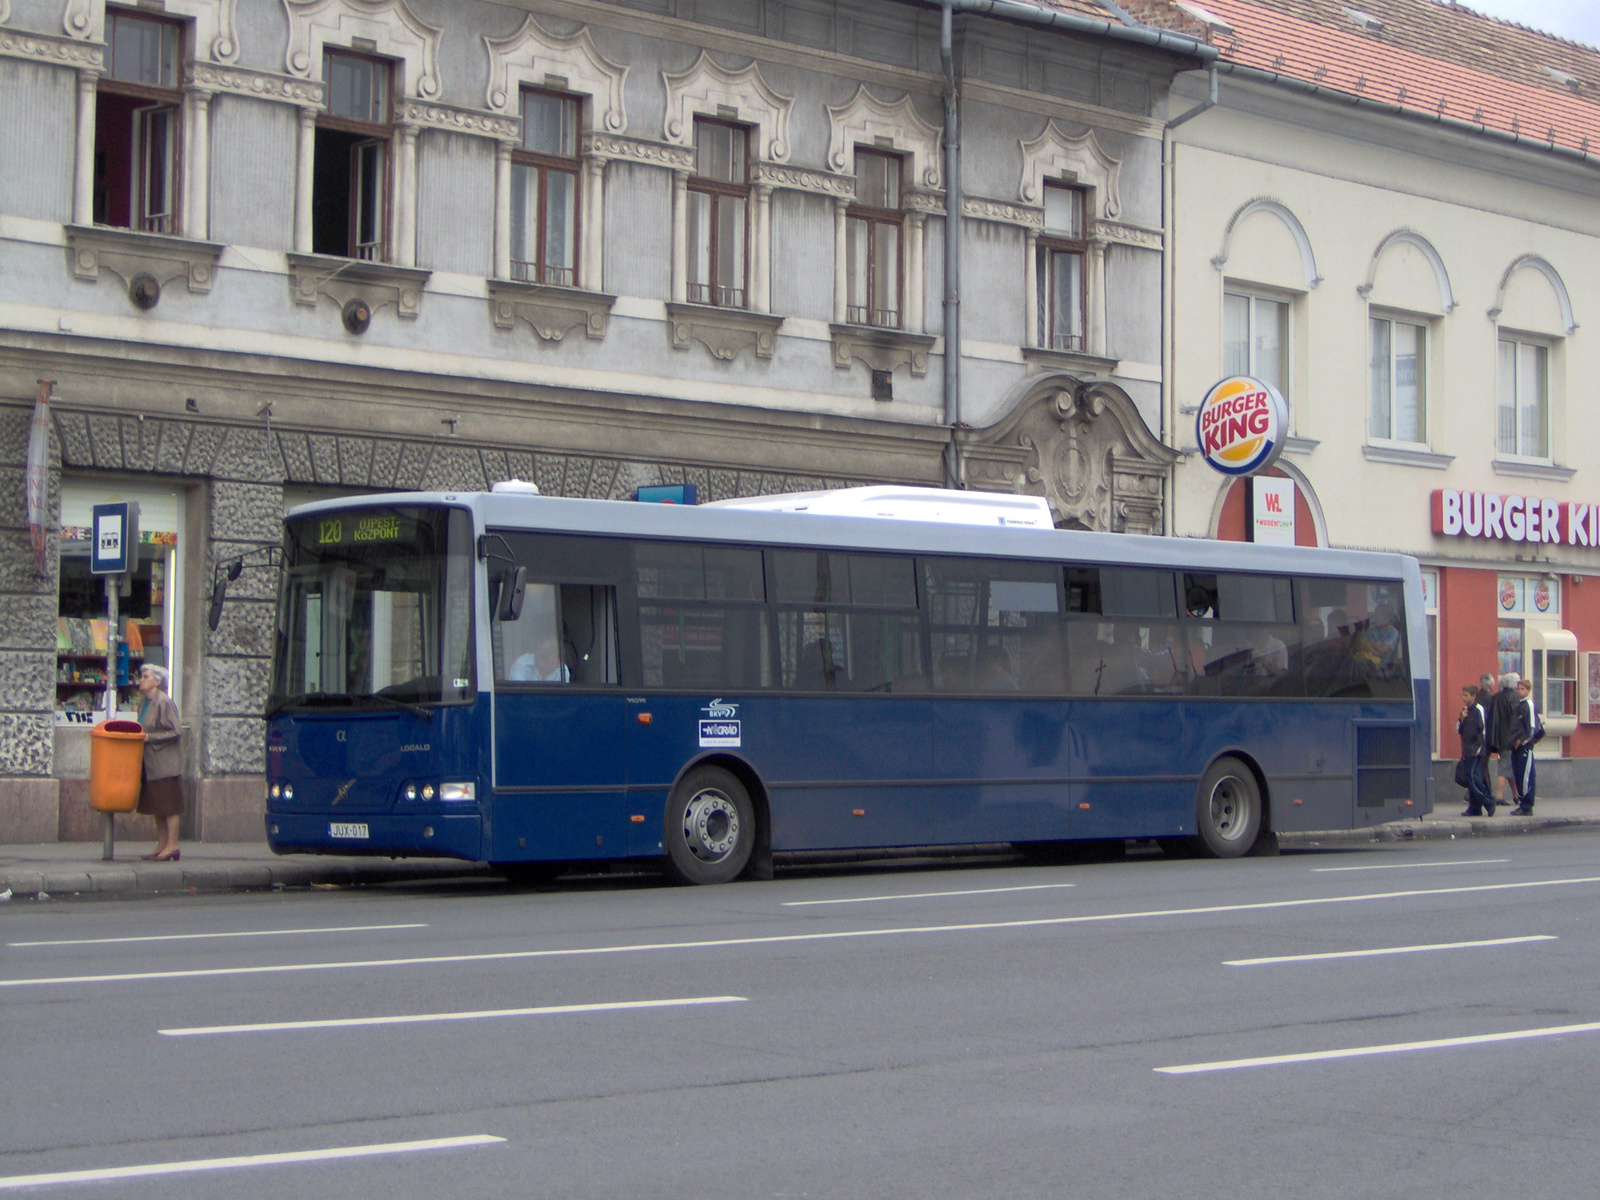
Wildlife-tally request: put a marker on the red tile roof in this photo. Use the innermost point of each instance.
(1422, 60)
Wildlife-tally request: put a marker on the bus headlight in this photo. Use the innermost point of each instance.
(288, 791)
(410, 792)
(427, 791)
(458, 791)
(275, 791)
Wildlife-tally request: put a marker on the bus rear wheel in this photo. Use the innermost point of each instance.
(711, 827)
(1227, 810)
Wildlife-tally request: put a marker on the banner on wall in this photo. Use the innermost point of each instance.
(1272, 510)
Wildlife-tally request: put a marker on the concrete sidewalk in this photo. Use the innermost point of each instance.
(60, 869)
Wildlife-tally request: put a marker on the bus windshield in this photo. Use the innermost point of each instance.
(375, 609)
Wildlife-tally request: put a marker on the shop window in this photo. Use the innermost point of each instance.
(719, 202)
(1062, 254)
(1524, 388)
(544, 191)
(1558, 689)
(1255, 338)
(873, 235)
(351, 176)
(146, 608)
(1397, 382)
(136, 138)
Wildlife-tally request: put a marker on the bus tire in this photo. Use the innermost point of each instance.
(711, 827)
(1227, 810)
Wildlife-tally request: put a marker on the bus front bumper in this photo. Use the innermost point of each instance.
(421, 835)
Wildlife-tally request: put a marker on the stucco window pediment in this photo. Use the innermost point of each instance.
(535, 57)
(1520, 306)
(1303, 274)
(1081, 161)
(708, 89)
(215, 36)
(897, 126)
(1415, 271)
(390, 26)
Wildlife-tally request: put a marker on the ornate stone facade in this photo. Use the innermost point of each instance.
(1081, 445)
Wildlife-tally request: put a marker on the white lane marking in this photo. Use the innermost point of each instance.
(1287, 958)
(1030, 887)
(186, 937)
(1480, 1039)
(779, 939)
(246, 1160)
(418, 1018)
(1463, 862)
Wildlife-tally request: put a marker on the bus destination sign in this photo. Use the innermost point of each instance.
(355, 529)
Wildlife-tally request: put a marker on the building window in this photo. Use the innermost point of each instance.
(1524, 399)
(1255, 338)
(719, 200)
(136, 136)
(350, 183)
(874, 225)
(544, 191)
(1398, 392)
(1063, 253)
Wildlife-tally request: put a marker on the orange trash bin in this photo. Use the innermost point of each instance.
(116, 763)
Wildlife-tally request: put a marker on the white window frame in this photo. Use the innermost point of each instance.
(1393, 318)
(1519, 340)
(1254, 295)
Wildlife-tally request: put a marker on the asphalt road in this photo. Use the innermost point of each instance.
(1005, 1031)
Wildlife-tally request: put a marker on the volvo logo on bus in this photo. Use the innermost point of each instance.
(720, 726)
(1241, 425)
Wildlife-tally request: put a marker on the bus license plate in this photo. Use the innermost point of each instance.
(340, 830)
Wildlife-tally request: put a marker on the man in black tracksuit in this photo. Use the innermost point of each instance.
(1524, 722)
(1498, 720)
(1470, 726)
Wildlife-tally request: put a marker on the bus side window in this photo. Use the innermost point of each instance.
(1123, 637)
(995, 625)
(589, 633)
(528, 650)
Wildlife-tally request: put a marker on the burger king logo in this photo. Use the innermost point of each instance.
(1241, 425)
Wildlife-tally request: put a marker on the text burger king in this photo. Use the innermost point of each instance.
(1241, 425)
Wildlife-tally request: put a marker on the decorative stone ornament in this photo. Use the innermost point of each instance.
(1078, 160)
(535, 57)
(709, 90)
(391, 27)
(866, 120)
(1084, 447)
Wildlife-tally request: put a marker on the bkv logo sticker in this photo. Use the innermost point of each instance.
(720, 725)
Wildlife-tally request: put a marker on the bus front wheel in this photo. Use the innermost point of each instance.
(711, 827)
(1228, 809)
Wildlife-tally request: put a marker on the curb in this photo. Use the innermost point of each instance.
(112, 879)
(1442, 830)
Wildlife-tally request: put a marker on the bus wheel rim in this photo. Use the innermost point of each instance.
(1228, 810)
(710, 826)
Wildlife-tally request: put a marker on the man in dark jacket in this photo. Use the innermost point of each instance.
(1499, 717)
(1523, 727)
(1470, 726)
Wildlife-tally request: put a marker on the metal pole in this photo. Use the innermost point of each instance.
(954, 475)
(108, 846)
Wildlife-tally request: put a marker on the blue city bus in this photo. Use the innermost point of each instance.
(533, 682)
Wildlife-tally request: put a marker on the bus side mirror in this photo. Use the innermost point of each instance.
(512, 589)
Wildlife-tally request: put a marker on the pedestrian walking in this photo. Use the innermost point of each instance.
(161, 788)
(1526, 731)
(1470, 770)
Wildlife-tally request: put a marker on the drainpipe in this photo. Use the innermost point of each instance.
(1169, 307)
(954, 474)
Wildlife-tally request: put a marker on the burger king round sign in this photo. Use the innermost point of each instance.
(1241, 425)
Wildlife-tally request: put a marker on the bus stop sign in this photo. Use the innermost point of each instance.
(114, 547)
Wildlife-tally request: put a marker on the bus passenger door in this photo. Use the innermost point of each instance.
(560, 780)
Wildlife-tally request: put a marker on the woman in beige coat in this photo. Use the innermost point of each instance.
(161, 791)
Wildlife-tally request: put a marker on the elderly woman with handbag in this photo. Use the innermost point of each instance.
(161, 791)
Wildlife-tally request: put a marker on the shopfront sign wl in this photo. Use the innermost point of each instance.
(1512, 518)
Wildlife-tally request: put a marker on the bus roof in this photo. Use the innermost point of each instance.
(718, 523)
